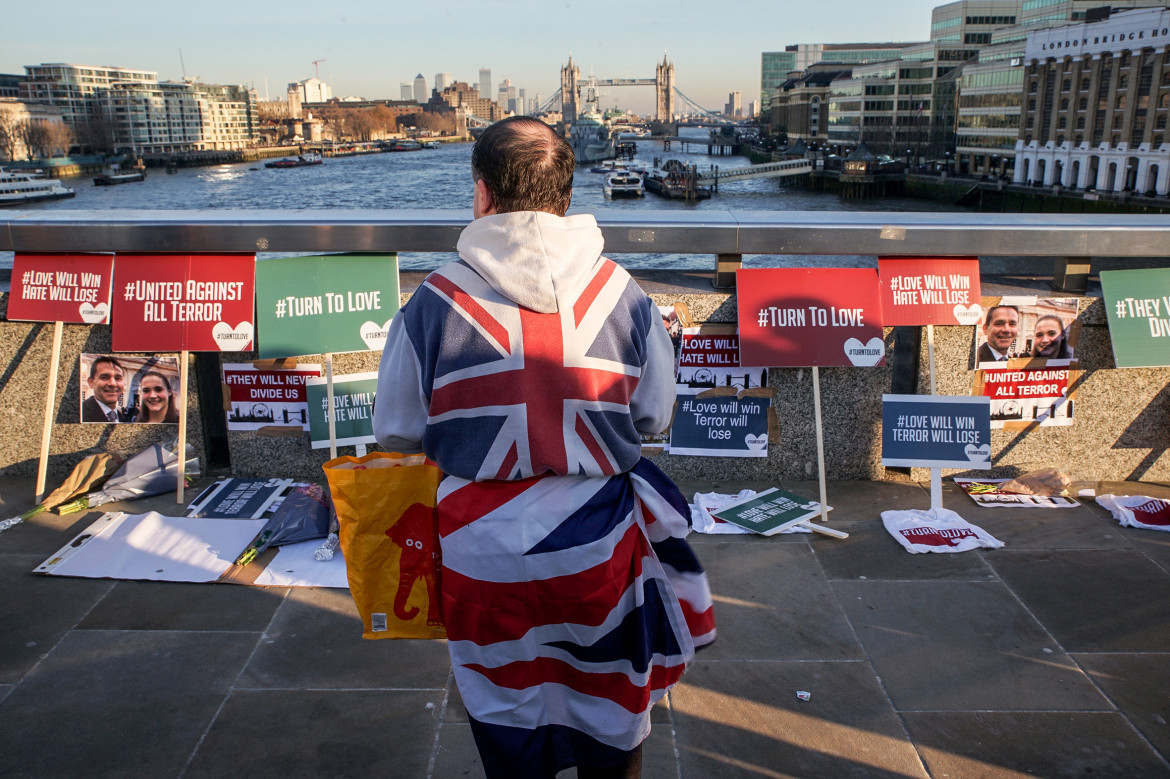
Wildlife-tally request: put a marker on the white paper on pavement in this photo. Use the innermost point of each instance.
(295, 566)
(1138, 511)
(936, 530)
(153, 547)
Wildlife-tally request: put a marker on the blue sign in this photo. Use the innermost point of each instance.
(720, 426)
(936, 431)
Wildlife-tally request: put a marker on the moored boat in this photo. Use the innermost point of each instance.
(115, 176)
(623, 183)
(20, 187)
(300, 161)
(591, 138)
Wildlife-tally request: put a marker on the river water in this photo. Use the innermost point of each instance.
(441, 178)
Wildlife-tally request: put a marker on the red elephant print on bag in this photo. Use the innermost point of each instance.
(414, 533)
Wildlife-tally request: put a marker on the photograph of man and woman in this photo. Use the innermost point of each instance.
(1027, 328)
(117, 389)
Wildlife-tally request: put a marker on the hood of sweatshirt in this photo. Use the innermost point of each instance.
(531, 257)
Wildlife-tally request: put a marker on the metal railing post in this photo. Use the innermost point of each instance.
(725, 267)
(1071, 274)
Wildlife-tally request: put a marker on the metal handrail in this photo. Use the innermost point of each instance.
(670, 232)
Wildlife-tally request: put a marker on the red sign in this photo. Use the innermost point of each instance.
(1025, 384)
(929, 290)
(800, 317)
(172, 302)
(61, 288)
(247, 384)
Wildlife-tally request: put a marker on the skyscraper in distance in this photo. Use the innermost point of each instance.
(442, 81)
(485, 83)
(406, 90)
(420, 89)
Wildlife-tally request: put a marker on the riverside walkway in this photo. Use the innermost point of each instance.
(1048, 657)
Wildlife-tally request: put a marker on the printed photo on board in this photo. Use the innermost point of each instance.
(119, 389)
(1042, 331)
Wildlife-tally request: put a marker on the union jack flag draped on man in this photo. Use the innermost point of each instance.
(571, 598)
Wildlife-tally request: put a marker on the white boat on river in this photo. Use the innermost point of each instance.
(20, 187)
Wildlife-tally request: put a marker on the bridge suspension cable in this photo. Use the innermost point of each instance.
(706, 114)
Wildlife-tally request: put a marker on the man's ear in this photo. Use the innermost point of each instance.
(482, 204)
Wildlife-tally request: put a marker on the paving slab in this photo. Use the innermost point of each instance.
(118, 703)
(945, 645)
(1019, 744)
(745, 719)
(315, 640)
(36, 612)
(772, 602)
(184, 606)
(1107, 601)
(455, 754)
(1136, 684)
(320, 733)
(863, 499)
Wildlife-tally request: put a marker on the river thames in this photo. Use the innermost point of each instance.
(441, 178)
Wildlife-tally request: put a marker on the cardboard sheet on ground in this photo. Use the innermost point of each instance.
(153, 547)
(986, 493)
(295, 566)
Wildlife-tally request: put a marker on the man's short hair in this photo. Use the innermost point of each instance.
(93, 366)
(525, 165)
(990, 311)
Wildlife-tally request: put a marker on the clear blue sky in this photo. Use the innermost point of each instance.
(370, 48)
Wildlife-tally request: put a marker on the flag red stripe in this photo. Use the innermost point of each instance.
(474, 309)
(613, 686)
(591, 443)
(699, 623)
(581, 307)
(486, 612)
(477, 500)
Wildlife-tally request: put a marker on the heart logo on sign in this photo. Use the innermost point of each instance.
(756, 441)
(967, 315)
(231, 339)
(978, 453)
(374, 334)
(94, 314)
(865, 355)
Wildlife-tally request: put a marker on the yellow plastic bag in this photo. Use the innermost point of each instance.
(386, 518)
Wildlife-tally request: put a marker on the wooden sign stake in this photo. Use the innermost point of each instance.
(50, 398)
(183, 358)
(935, 473)
(820, 443)
(329, 404)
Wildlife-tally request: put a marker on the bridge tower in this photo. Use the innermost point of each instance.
(664, 87)
(569, 75)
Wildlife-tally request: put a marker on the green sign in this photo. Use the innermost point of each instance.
(318, 305)
(353, 409)
(1138, 306)
(769, 512)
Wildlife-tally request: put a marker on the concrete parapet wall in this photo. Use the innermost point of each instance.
(1121, 431)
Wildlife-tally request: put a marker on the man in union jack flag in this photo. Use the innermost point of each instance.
(527, 370)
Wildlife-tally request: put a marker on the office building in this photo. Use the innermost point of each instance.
(734, 105)
(776, 66)
(442, 81)
(485, 82)
(312, 90)
(406, 90)
(420, 89)
(121, 109)
(1095, 101)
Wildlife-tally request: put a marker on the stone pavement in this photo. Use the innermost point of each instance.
(1049, 657)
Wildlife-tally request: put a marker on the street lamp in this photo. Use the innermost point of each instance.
(908, 153)
(948, 156)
